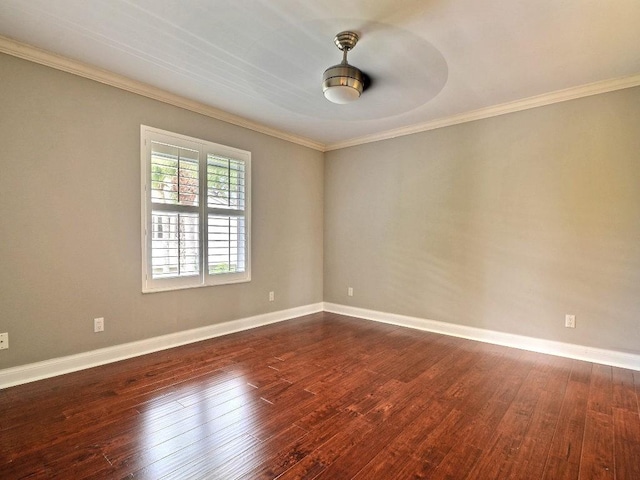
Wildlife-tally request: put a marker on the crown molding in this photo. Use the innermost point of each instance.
(43, 57)
(496, 110)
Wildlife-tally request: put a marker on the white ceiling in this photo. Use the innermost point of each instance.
(263, 60)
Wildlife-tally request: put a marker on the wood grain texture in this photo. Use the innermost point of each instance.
(327, 397)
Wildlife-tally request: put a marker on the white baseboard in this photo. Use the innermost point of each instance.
(569, 350)
(58, 366)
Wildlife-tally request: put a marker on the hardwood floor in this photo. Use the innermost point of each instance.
(327, 397)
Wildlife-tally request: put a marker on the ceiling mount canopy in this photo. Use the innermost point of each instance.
(343, 83)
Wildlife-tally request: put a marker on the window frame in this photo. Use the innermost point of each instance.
(205, 148)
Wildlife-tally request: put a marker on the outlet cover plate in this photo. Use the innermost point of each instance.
(4, 341)
(98, 324)
(570, 321)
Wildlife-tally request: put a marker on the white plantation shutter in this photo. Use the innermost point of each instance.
(174, 175)
(226, 251)
(175, 244)
(226, 219)
(196, 212)
(175, 234)
(225, 182)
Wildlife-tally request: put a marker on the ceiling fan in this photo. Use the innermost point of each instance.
(344, 83)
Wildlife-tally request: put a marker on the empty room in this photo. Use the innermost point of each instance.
(320, 239)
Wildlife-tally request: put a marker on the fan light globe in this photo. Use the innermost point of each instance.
(343, 83)
(341, 94)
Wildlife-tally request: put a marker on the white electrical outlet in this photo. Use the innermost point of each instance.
(272, 296)
(98, 324)
(4, 341)
(350, 291)
(570, 321)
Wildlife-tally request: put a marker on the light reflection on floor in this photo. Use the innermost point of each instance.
(208, 426)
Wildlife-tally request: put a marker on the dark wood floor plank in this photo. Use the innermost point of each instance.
(601, 390)
(626, 426)
(329, 397)
(458, 463)
(597, 462)
(531, 410)
(397, 454)
(197, 460)
(244, 465)
(340, 445)
(567, 443)
(290, 455)
(624, 394)
(426, 455)
(530, 458)
(130, 451)
(390, 417)
(355, 389)
(581, 371)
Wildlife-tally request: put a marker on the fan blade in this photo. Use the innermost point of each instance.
(367, 81)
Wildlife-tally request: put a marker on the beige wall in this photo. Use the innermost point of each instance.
(506, 223)
(70, 218)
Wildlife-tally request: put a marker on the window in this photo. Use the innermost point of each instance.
(195, 212)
